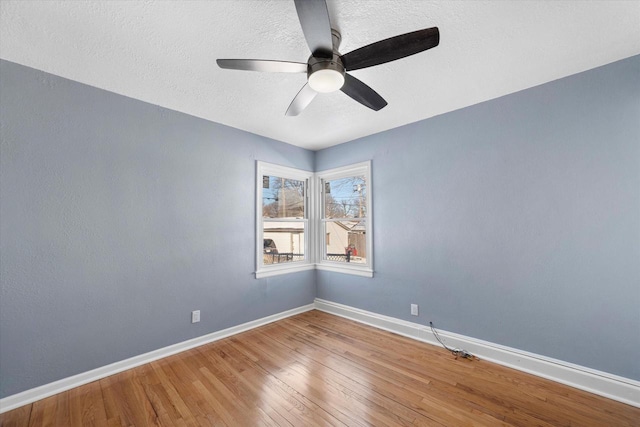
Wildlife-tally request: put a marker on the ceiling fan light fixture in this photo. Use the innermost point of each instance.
(326, 80)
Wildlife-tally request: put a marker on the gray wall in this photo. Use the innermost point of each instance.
(117, 219)
(515, 221)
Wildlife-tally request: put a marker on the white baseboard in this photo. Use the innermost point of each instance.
(28, 396)
(601, 383)
(611, 386)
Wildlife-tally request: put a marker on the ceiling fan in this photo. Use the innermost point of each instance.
(326, 67)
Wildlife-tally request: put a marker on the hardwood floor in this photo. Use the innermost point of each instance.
(319, 369)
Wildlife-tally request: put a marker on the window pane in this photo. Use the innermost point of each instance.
(282, 197)
(345, 198)
(348, 241)
(283, 242)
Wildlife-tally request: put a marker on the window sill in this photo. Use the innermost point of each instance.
(276, 271)
(356, 271)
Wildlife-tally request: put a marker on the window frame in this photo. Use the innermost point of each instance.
(358, 169)
(270, 169)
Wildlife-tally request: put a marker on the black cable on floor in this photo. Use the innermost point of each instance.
(454, 351)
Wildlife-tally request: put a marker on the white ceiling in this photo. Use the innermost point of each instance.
(164, 52)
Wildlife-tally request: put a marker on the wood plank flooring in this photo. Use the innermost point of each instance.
(316, 369)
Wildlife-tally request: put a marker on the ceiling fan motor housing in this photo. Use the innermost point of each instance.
(325, 74)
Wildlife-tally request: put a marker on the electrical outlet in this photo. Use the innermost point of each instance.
(414, 309)
(195, 316)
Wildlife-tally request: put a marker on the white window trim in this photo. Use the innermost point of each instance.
(363, 168)
(315, 242)
(263, 168)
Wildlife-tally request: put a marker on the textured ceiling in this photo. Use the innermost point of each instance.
(164, 52)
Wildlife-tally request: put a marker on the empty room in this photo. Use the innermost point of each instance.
(319, 212)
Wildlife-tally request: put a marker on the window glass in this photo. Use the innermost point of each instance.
(283, 242)
(282, 197)
(348, 242)
(345, 197)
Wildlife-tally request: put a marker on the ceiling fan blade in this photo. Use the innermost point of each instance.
(263, 65)
(391, 49)
(314, 19)
(362, 93)
(302, 99)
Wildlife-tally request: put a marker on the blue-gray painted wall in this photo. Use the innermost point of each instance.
(515, 221)
(117, 219)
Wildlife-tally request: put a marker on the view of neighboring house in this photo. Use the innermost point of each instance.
(288, 236)
(342, 236)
